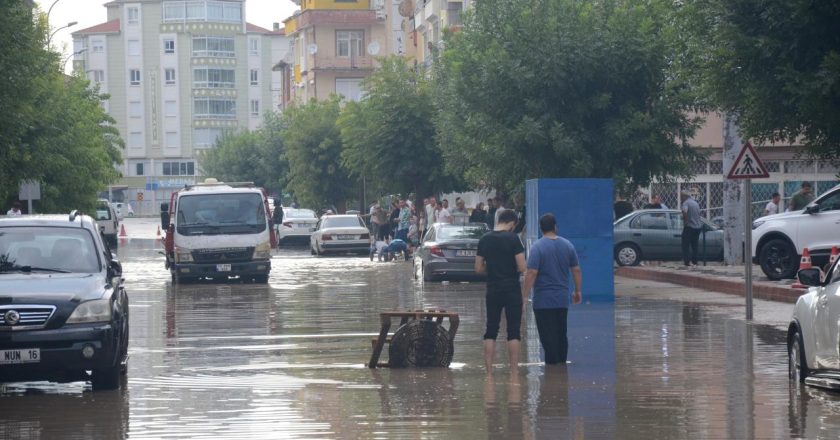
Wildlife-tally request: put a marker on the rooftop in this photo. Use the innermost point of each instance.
(109, 27)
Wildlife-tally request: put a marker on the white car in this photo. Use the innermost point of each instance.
(814, 331)
(297, 224)
(778, 240)
(123, 209)
(108, 221)
(340, 233)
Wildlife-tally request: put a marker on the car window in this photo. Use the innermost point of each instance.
(298, 213)
(657, 221)
(103, 213)
(830, 203)
(430, 236)
(676, 221)
(56, 248)
(342, 222)
(460, 232)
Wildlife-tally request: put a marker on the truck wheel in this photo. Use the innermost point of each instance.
(778, 259)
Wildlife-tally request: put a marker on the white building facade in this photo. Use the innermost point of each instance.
(179, 74)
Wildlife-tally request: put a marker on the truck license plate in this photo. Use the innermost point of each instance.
(223, 267)
(23, 356)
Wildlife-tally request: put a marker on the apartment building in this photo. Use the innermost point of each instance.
(429, 20)
(179, 74)
(335, 44)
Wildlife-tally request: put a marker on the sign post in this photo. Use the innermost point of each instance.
(747, 167)
(29, 190)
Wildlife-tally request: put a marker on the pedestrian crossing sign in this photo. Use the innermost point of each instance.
(748, 165)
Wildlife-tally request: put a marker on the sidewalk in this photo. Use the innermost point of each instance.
(715, 277)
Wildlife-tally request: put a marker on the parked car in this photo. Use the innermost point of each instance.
(339, 233)
(123, 209)
(656, 234)
(107, 219)
(778, 240)
(64, 309)
(448, 251)
(297, 225)
(813, 334)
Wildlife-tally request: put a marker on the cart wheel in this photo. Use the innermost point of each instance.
(420, 343)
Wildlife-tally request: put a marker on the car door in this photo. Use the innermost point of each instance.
(820, 229)
(650, 232)
(825, 325)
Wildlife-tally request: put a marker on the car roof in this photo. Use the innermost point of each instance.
(48, 220)
(341, 216)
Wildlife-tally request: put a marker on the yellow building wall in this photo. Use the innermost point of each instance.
(290, 25)
(359, 5)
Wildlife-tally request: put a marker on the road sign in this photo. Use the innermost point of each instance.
(139, 197)
(748, 165)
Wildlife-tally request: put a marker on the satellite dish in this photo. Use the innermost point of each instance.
(373, 48)
(406, 8)
(312, 48)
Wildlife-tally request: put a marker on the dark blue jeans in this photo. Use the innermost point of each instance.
(690, 243)
(551, 325)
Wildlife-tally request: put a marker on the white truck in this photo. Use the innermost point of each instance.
(218, 230)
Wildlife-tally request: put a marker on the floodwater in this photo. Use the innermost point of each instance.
(287, 360)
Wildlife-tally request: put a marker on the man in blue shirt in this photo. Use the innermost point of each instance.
(551, 260)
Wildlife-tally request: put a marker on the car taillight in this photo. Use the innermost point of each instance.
(287, 224)
(434, 250)
(326, 237)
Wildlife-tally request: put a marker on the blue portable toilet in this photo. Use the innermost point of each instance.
(584, 212)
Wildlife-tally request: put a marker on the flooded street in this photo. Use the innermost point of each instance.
(287, 360)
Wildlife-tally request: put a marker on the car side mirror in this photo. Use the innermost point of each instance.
(115, 267)
(812, 209)
(312, 229)
(810, 277)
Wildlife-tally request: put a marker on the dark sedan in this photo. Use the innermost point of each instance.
(63, 308)
(448, 252)
(656, 234)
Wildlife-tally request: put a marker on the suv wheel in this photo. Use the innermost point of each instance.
(107, 378)
(778, 259)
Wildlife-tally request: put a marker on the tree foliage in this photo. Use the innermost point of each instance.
(313, 150)
(250, 156)
(775, 64)
(389, 136)
(584, 92)
(54, 129)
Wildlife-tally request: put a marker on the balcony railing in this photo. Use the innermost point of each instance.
(324, 62)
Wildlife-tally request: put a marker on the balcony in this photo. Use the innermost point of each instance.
(324, 62)
(345, 18)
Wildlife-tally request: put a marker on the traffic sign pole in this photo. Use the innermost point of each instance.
(748, 279)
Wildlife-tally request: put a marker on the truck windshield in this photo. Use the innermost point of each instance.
(214, 214)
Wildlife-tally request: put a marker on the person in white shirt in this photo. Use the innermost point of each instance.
(15, 211)
(773, 205)
(442, 214)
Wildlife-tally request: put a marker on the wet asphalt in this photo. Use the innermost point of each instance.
(287, 360)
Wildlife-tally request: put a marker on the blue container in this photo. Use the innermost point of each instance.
(584, 212)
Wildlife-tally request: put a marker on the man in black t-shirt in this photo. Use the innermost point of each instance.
(502, 258)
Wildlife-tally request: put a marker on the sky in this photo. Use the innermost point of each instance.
(91, 12)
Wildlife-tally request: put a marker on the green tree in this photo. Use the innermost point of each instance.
(561, 88)
(313, 150)
(389, 137)
(250, 156)
(774, 64)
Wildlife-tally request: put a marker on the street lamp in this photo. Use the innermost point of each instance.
(72, 23)
(64, 63)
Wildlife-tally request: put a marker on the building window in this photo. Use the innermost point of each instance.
(98, 46)
(349, 43)
(219, 11)
(138, 168)
(170, 109)
(213, 47)
(255, 107)
(214, 108)
(254, 46)
(255, 77)
(133, 15)
(213, 78)
(206, 137)
(135, 139)
(134, 48)
(98, 76)
(135, 109)
(178, 168)
(171, 138)
(168, 45)
(169, 76)
(134, 77)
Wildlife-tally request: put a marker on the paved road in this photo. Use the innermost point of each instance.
(286, 360)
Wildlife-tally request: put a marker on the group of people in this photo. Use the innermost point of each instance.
(400, 222)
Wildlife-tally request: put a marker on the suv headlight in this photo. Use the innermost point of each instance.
(183, 255)
(263, 251)
(91, 311)
(758, 223)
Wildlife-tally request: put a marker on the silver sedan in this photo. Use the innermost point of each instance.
(448, 251)
(656, 234)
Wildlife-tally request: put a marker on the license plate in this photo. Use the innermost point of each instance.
(23, 356)
(346, 237)
(223, 267)
(464, 253)
(302, 225)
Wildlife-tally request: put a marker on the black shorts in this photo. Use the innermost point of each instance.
(509, 299)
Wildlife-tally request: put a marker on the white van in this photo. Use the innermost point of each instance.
(216, 230)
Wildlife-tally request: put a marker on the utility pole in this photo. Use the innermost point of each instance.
(733, 198)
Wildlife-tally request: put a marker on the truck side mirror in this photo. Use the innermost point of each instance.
(164, 220)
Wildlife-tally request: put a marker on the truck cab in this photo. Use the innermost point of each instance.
(218, 230)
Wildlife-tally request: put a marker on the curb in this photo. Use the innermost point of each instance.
(731, 287)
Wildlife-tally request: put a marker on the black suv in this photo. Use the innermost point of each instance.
(63, 306)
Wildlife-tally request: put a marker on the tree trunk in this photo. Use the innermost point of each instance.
(733, 204)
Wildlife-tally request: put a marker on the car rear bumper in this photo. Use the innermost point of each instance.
(247, 268)
(353, 246)
(61, 357)
(287, 234)
(447, 269)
